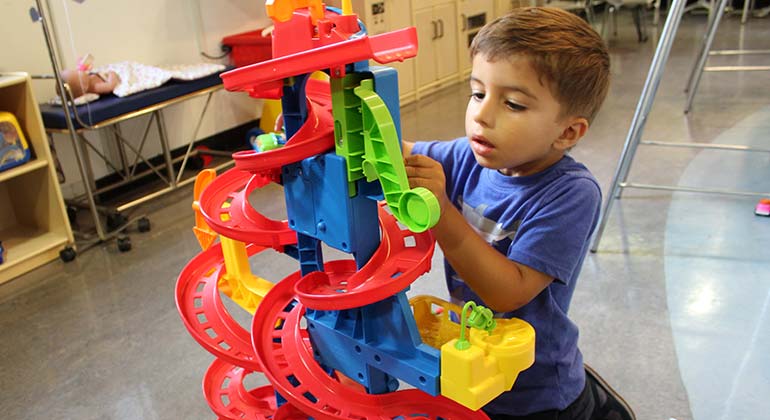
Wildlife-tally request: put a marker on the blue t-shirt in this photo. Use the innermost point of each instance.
(543, 221)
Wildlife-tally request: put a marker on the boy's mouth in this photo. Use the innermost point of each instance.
(481, 146)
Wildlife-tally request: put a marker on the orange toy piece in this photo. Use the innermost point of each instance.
(202, 230)
(282, 10)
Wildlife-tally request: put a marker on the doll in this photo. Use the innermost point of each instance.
(82, 80)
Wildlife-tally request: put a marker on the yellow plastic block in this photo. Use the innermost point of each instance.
(475, 376)
(271, 109)
(469, 376)
(431, 315)
(511, 344)
(238, 283)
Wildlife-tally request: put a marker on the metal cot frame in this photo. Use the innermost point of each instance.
(127, 171)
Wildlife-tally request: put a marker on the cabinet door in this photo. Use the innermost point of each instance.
(427, 31)
(446, 44)
(473, 15)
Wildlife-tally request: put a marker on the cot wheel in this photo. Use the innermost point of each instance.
(67, 254)
(143, 225)
(115, 220)
(124, 243)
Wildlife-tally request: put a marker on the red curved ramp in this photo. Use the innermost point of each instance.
(229, 399)
(401, 257)
(268, 75)
(205, 317)
(314, 137)
(225, 206)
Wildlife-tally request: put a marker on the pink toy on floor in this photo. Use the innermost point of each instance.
(763, 207)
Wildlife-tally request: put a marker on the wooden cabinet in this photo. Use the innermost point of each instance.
(474, 14)
(437, 33)
(33, 220)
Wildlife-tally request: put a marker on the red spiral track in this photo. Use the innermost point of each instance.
(203, 313)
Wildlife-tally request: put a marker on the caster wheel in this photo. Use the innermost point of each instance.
(196, 163)
(72, 214)
(67, 254)
(115, 220)
(124, 243)
(143, 224)
(201, 159)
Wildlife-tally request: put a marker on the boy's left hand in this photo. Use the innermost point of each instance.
(425, 172)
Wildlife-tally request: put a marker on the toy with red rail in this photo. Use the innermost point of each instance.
(335, 338)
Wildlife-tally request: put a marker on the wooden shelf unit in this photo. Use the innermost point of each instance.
(33, 219)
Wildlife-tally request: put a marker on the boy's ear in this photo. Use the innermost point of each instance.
(572, 133)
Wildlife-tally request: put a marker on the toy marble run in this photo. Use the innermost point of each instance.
(335, 338)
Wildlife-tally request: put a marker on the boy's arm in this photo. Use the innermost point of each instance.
(503, 284)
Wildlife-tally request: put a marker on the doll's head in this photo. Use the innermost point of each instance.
(78, 81)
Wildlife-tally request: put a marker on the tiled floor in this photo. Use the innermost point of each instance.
(673, 309)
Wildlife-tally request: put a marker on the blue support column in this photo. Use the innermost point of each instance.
(364, 343)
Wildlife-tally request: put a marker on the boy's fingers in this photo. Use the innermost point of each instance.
(419, 160)
(420, 172)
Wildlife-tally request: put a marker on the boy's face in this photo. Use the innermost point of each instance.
(513, 121)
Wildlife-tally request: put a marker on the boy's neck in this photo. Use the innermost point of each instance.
(533, 168)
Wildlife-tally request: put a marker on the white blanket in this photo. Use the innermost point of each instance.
(136, 77)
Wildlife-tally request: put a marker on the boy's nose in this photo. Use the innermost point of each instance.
(484, 114)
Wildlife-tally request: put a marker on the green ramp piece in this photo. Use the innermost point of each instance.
(348, 135)
(416, 208)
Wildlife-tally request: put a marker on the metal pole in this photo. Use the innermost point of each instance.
(194, 137)
(165, 147)
(697, 71)
(642, 111)
(70, 126)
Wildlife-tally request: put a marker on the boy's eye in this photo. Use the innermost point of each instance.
(477, 96)
(513, 106)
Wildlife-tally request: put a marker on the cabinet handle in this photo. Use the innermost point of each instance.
(441, 27)
(465, 21)
(435, 30)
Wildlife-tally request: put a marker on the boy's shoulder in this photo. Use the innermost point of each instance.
(570, 176)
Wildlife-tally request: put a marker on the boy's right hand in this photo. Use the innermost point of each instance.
(425, 172)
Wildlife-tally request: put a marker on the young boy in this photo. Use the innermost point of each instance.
(516, 211)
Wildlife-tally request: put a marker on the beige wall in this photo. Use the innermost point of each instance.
(155, 32)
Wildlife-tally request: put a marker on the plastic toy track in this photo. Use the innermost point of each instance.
(393, 267)
(200, 306)
(268, 75)
(283, 350)
(314, 137)
(225, 206)
(227, 397)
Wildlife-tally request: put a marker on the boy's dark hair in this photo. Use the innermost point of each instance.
(563, 49)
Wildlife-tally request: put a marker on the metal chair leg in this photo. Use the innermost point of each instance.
(697, 70)
(641, 114)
